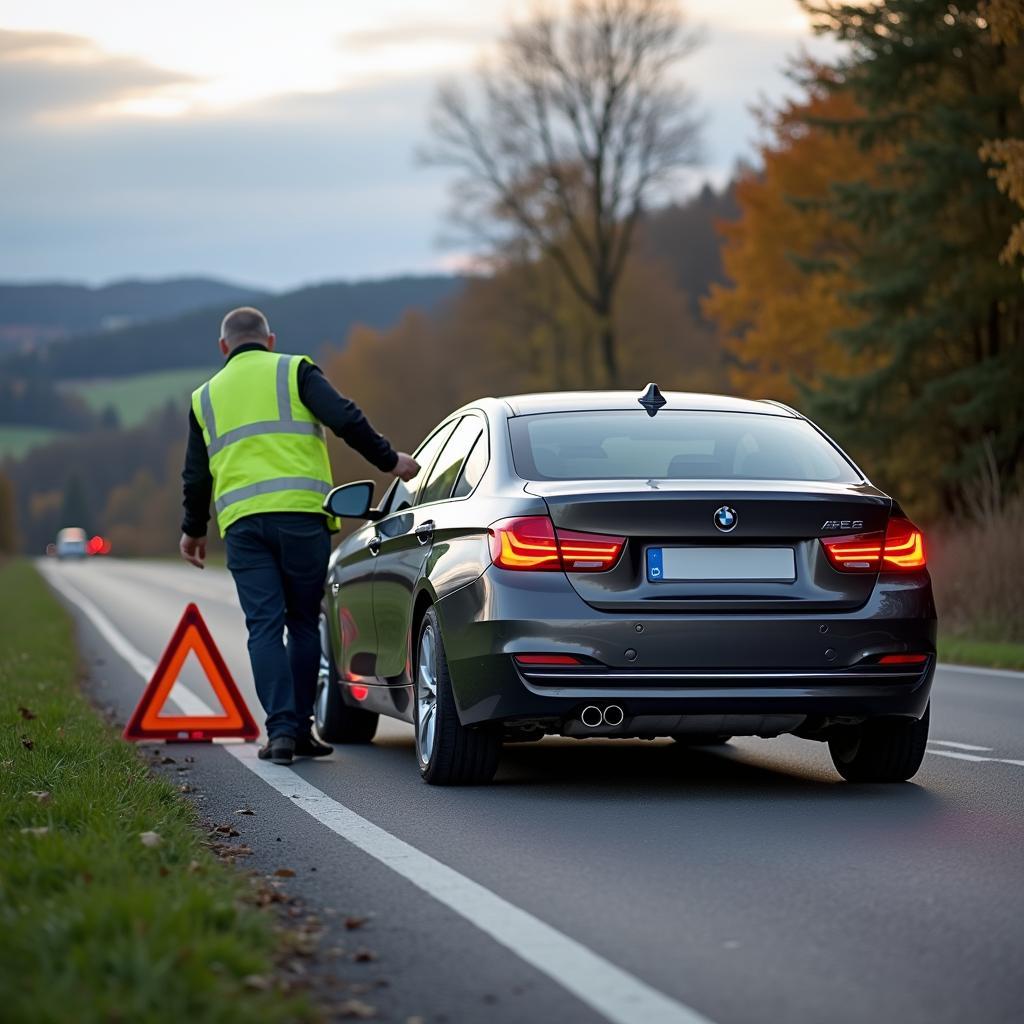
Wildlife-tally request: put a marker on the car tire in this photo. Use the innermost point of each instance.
(336, 721)
(881, 749)
(448, 753)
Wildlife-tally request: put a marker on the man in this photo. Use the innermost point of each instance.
(256, 445)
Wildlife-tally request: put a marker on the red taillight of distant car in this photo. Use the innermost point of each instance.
(900, 548)
(532, 543)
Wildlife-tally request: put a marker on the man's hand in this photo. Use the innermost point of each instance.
(406, 467)
(193, 550)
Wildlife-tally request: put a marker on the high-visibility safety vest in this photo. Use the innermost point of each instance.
(267, 450)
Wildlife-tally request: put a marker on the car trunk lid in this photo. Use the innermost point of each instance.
(764, 554)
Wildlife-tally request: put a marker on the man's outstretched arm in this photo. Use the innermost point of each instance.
(197, 487)
(347, 421)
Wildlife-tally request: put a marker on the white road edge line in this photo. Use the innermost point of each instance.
(958, 746)
(188, 702)
(614, 993)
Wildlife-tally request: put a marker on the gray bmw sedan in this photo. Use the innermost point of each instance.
(619, 564)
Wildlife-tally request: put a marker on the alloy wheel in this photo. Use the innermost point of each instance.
(426, 696)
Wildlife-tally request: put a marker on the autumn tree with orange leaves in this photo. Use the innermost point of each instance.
(788, 257)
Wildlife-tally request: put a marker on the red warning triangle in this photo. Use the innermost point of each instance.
(146, 723)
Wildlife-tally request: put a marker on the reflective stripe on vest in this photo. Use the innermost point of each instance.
(284, 424)
(281, 483)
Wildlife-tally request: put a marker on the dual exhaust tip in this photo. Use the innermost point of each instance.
(593, 716)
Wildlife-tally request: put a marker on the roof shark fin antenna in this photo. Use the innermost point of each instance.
(652, 399)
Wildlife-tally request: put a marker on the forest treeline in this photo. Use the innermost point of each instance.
(866, 269)
(491, 335)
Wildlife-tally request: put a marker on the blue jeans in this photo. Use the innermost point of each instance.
(279, 564)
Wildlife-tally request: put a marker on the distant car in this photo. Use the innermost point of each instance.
(72, 542)
(608, 564)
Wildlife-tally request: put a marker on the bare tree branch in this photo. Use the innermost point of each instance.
(567, 135)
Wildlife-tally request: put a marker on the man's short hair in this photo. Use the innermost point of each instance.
(244, 324)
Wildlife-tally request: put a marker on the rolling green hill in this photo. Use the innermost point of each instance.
(16, 441)
(32, 313)
(304, 320)
(135, 398)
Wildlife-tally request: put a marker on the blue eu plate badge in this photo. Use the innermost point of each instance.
(655, 568)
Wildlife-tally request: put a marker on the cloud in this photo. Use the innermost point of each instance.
(301, 188)
(295, 188)
(411, 33)
(54, 75)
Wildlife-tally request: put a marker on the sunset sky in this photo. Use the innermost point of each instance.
(273, 143)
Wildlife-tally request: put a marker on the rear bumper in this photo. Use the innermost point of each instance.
(812, 668)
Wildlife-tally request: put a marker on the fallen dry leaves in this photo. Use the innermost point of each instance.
(355, 1009)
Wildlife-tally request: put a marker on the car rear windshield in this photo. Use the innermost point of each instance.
(674, 445)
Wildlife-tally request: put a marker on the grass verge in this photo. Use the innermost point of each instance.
(96, 925)
(987, 653)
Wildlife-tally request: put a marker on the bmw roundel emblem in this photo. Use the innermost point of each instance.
(726, 519)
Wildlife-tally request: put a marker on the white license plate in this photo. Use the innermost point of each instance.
(665, 565)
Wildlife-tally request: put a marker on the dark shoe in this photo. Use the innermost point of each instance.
(310, 746)
(279, 750)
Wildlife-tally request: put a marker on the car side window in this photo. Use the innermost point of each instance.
(472, 469)
(403, 495)
(446, 469)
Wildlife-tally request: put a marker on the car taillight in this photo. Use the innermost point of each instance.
(588, 552)
(904, 546)
(901, 547)
(860, 553)
(531, 542)
(526, 543)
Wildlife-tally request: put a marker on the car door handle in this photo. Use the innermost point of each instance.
(374, 544)
(425, 531)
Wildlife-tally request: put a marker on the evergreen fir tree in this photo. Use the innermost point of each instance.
(943, 321)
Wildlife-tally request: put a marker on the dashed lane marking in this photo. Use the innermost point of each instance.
(612, 992)
(977, 757)
(959, 756)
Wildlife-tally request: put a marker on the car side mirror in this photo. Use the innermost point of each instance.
(352, 501)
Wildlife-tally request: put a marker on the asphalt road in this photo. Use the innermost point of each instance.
(626, 881)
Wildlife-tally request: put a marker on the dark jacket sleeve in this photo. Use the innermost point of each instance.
(344, 418)
(197, 481)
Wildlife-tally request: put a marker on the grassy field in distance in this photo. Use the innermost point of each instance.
(15, 441)
(139, 396)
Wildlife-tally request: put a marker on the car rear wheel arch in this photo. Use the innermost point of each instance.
(424, 600)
